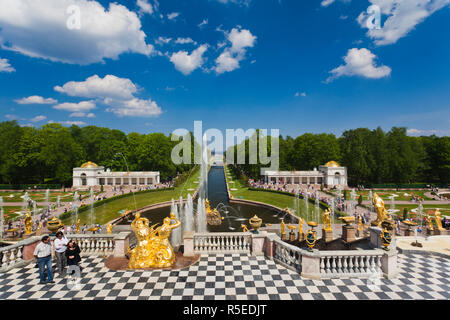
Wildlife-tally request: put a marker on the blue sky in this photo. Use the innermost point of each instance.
(297, 66)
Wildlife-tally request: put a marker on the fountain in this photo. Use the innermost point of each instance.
(75, 207)
(188, 214)
(392, 205)
(58, 201)
(305, 198)
(353, 202)
(317, 207)
(91, 214)
(34, 209)
(26, 198)
(47, 196)
(370, 200)
(176, 236)
(201, 216)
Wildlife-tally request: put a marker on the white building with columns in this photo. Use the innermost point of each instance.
(91, 175)
(329, 175)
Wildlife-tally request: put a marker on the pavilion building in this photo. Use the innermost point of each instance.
(330, 174)
(91, 175)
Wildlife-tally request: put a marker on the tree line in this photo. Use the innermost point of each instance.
(371, 156)
(48, 154)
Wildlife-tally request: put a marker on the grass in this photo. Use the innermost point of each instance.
(279, 200)
(13, 213)
(385, 194)
(110, 210)
(39, 196)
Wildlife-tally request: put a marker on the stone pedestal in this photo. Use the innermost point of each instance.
(375, 239)
(327, 235)
(188, 244)
(409, 232)
(284, 237)
(268, 244)
(301, 237)
(292, 236)
(121, 244)
(430, 232)
(29, 246)
(311, 265)
(349, 233)
(441, 232)
(258, 243)
(389, 264)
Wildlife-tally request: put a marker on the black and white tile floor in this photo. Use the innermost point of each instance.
(231, 277)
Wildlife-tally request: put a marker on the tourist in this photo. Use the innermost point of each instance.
(73, 254)
(60, 249)
(43, 254)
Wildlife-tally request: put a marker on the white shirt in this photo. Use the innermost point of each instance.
(43, 250)
(61, 244)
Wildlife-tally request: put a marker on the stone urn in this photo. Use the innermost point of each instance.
(409, 224)
(348, 220)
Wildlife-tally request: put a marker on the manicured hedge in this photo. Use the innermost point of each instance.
(102, 202)
(322, 205)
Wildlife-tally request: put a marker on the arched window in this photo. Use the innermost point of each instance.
(83, 179)
(337, 178)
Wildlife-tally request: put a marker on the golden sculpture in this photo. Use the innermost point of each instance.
(301, 235)
(438, 219)
(77, 226)
(382, 214)
(326, 220)
(283, 228)
(109, 228)
(213, 217)
(244, 228)
(292, 234)
(360, 225)
(39, 229)
(386, 238)
(54, 225)
(28, 223)
(430, 223)
(255, 222)
(153, 249)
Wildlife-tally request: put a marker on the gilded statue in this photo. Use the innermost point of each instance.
(244, 228)
(109, 228)
(326, 220)
(360, 224)
(438, 219)
(153, 249)
(382, 214)
(39, 229)
(213, 216)
(283, 228)
(430, 223)
(77, 226)
(300, 225)
(28, 223)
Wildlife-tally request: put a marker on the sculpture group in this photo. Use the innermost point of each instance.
(153, 249)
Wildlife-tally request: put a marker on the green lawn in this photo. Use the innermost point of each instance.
(39, 196)
(279, 200)
(110, 210)
(12, 213)
(404, 195)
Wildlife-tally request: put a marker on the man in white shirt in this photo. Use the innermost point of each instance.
(43, 254)
(60, 251)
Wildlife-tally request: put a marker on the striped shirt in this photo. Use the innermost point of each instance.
(43, 250)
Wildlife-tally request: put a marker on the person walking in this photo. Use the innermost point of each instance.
(43, 254)
(60, 249)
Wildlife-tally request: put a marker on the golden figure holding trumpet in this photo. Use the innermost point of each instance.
(153, 249)
(382, 213)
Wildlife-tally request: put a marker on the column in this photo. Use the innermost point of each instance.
(146, 181)
(121, 181)
(278, 180)
(307, 180)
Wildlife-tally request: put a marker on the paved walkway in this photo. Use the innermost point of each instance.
(231, 277)
(438, 244)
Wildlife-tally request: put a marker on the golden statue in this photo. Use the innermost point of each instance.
(39, 229)
(360, 225)
(244, 228)
(153, 249)
(430, 223)
(77, 226)
(438, 219)
(109, 228)
(283, 230)
(213, 217)
(28, 223)
(300, 225)
(382, 214)
(326, 220)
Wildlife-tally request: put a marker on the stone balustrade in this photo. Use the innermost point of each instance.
(94, 244)
(18, 254)
(224, 242)
(352, 263)
(288, 255)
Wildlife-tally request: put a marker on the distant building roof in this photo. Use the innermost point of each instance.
(89, 164)
(332, 164)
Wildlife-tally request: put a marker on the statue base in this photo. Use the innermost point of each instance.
(284, 237)
(181, 262)
(292, 236)
(327, 235)
(441, 232)
(409, 233)
(349, 233)
(301, 237)
(430, 232)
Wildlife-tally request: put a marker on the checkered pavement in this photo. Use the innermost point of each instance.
(231, 277)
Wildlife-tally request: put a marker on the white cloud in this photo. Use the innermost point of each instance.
(185, 41)
(40, 29)
(326, 3)
(203, 23)
(144, 6)
(36, 100)
(163, 40)
(420, 132)
(360, 62)
(82, 115)
(229, 59)
(5, 66)
(239, 2)
(134, 107)
(75, 107)
(402, 17)
(75, 123)
(186, 63)
(173, 15)
(95, 87)
(38, 118)
(303, 94)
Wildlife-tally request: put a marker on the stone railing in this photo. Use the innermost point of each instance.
(287, 255)
(94, 244)
(353, 263)
(17, 254)
(224, 242)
